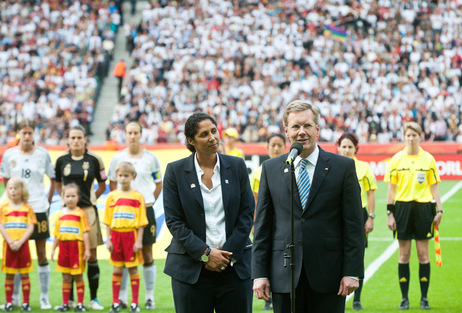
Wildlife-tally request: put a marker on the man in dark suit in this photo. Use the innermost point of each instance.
(329, 228)
(208, 207)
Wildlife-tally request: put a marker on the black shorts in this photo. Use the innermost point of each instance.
(414, 220)
(41, 229)
(149, 234)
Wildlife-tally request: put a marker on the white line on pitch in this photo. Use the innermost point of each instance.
(377, 263)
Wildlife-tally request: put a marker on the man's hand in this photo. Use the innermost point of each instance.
(347, 286)
(261, 288)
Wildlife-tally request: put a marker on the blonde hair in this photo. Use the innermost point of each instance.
(70, 186)
(299, 106)
(414, 126)
(125, 167)
(134, 123)
(18, 181)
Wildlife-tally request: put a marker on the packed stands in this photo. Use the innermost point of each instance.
(369, 66)
(54, 56)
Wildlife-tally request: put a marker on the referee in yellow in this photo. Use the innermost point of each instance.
(412, 179)
(347, 145)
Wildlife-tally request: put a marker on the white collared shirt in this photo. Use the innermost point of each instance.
(213, 207)
(312, 160)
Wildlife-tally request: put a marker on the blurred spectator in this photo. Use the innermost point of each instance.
(369, 65)
(53, 56)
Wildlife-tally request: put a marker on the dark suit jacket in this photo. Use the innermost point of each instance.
(185, 217)
(329, 232)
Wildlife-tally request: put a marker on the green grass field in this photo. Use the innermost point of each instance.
(380, 293)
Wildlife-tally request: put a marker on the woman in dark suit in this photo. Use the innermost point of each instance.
(209, 208)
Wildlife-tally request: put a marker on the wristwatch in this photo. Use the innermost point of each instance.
(440, 211)
(205, 256)
(372, 215)
(389, 212)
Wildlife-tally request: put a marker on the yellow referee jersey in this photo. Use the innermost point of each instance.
(366, 179)
(236, 152)
(413, 175)
(255, 180)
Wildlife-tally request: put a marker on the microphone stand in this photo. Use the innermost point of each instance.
(291, 246)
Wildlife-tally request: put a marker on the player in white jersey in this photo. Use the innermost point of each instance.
(148, 182)
(32, 163)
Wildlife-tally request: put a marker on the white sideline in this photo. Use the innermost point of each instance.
(377, 263)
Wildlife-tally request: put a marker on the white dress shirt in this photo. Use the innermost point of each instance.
(213, 207)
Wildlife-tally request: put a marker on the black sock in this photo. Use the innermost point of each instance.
(357, 296)
(424, 276)
(93, 278)
(404, 275)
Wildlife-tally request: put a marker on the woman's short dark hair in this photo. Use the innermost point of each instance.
(352, 137)
(276, 135)
(192, 126)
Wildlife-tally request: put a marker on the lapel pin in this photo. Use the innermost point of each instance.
(193, 186)
(286, 170)
(326, 169)
(226, 181)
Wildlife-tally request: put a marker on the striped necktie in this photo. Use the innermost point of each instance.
(303, 183)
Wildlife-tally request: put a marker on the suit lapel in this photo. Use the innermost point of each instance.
(192, 181)
(285, 172)
(226, 183)
(320, 172)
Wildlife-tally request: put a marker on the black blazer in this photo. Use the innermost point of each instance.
(329, 231)
(185, 217)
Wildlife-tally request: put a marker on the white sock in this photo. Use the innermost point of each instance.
(44, 280)
(17, 288)
(123, 287)
(149, 273)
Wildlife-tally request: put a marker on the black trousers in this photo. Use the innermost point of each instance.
(223, 292)
(308, 300)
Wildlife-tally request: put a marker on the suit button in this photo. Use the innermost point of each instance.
(302, 220)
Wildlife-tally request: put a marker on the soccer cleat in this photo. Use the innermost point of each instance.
(95, 305)
(134, 308)
(44, 303)
(80, 308)
(63, 308)
(122, 304)
(150, 305)
(357, 306)
(424, 304)
(8, 307)
(114, 308)
(404, 305)
(25, 307)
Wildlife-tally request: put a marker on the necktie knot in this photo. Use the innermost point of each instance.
(303, 164)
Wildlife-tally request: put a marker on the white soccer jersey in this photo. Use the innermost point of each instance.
(147, 172)
(31, 168)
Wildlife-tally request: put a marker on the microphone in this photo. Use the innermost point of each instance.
(295, 149)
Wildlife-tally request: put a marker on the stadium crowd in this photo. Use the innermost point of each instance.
(54, 56)
(369, 65)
